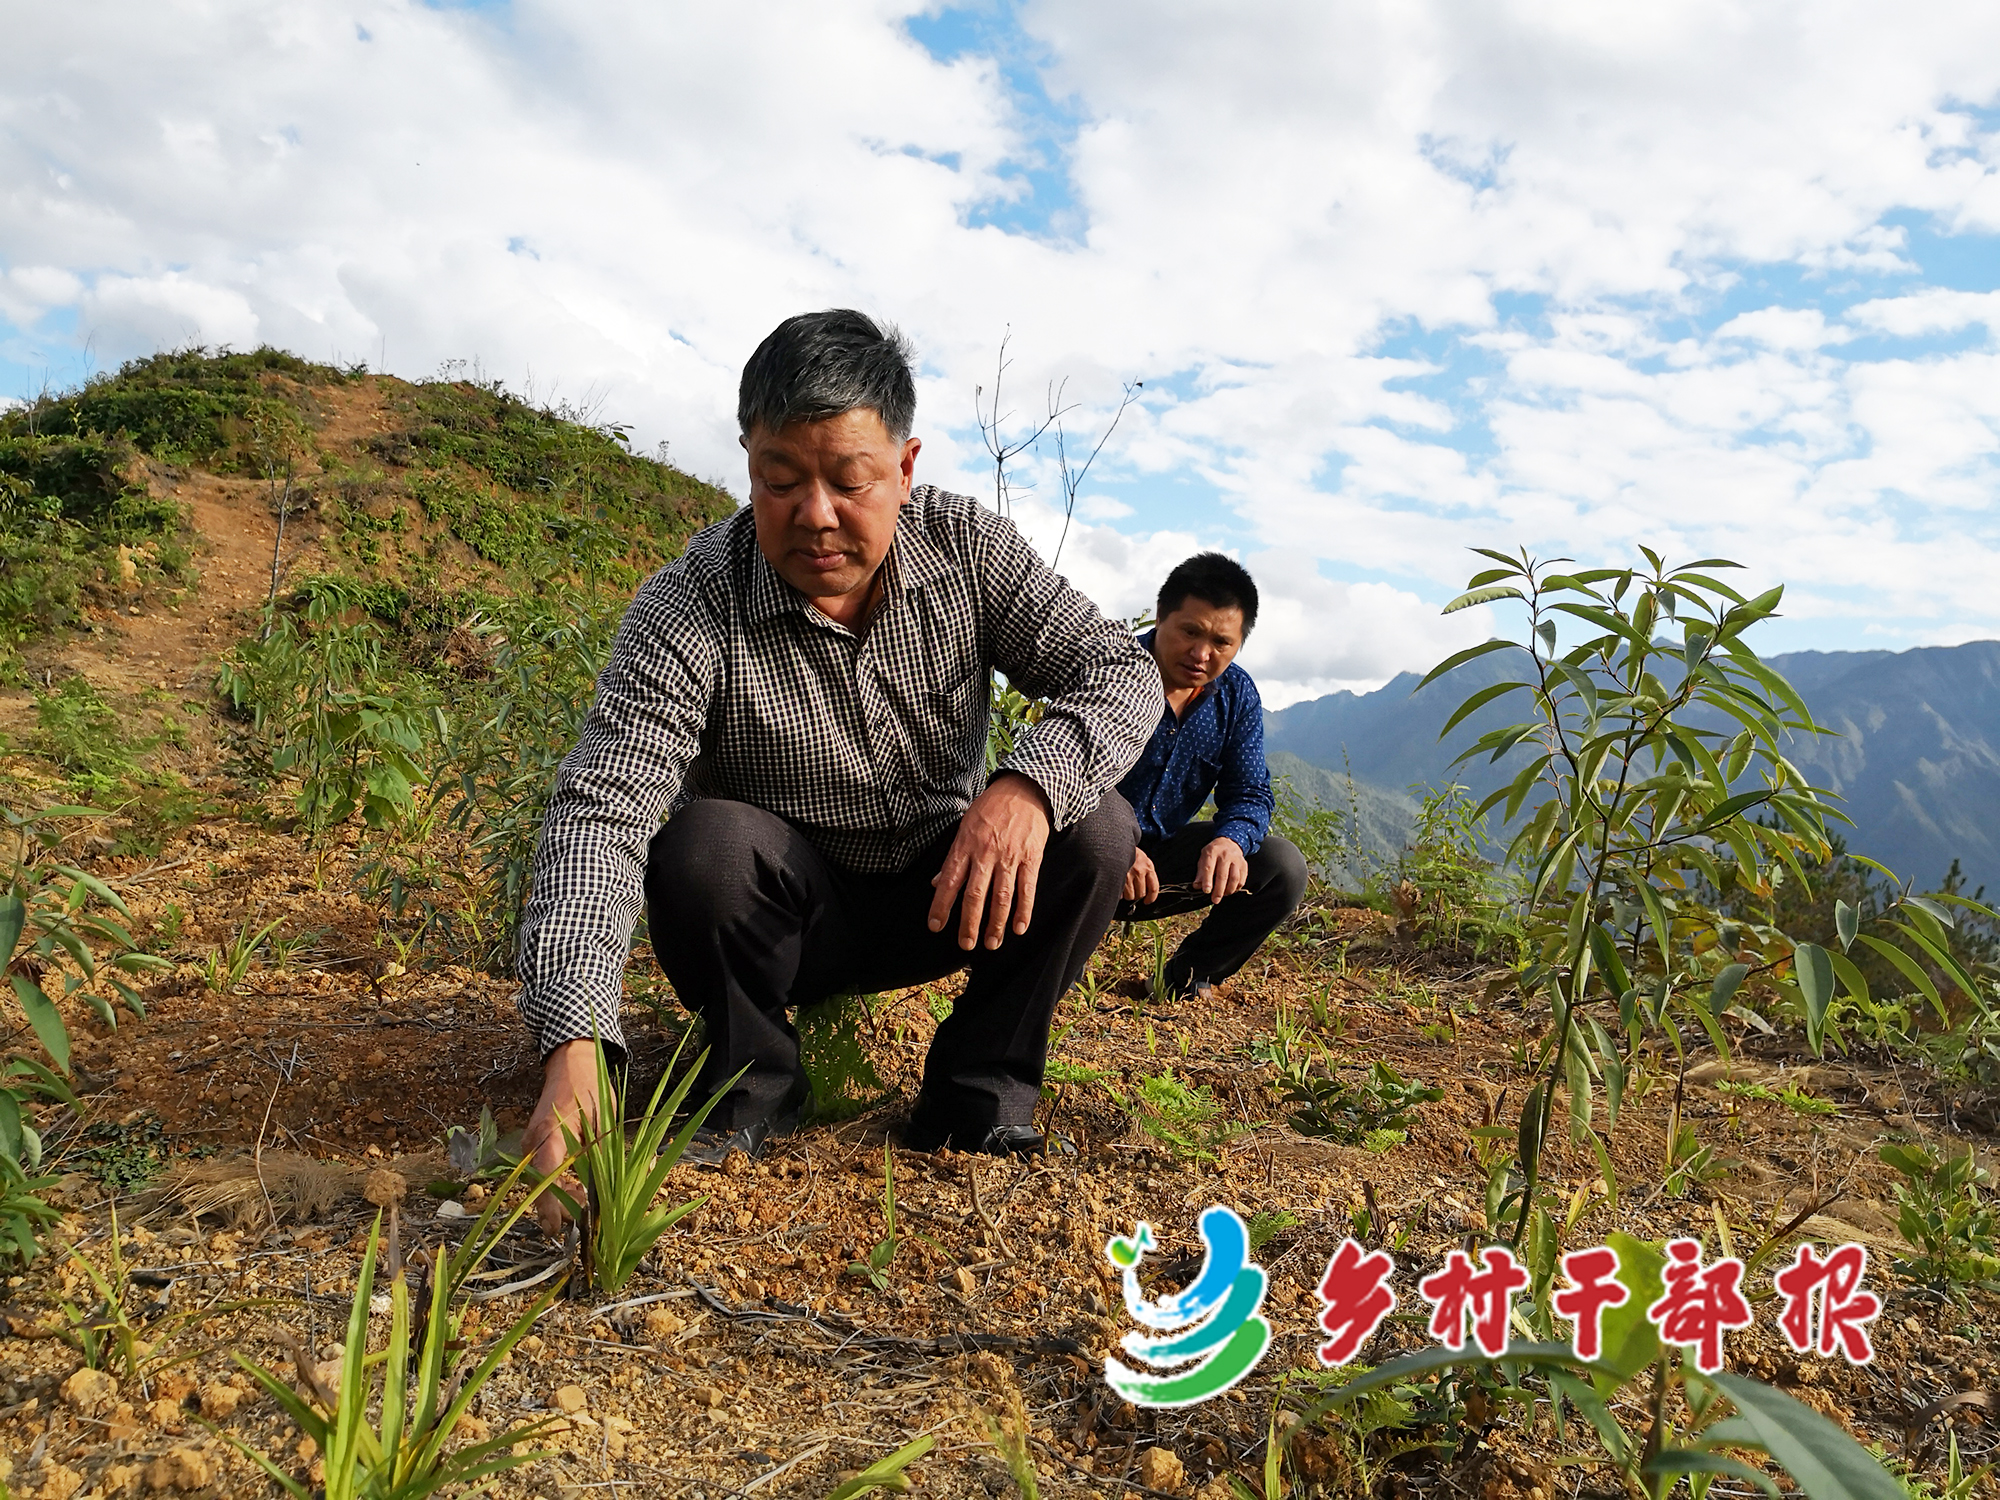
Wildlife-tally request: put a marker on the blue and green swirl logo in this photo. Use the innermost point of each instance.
(1213, 1335)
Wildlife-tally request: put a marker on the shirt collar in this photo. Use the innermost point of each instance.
(912, 562)
(770, 595)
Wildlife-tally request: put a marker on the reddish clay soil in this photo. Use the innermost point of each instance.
(745, 1357)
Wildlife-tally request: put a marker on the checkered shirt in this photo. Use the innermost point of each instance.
(725, 682)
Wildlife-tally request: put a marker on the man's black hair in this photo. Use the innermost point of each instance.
(1213, 579)
(821, 364)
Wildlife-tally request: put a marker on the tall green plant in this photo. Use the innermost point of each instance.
(319, 692)
(499, 755)
(1458, 889)
(60, 929)
(1643, 770)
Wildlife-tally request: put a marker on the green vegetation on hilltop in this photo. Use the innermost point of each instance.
(467, 481)
(79, 527)
(436, 681)
(532, 490)
(71, 526)
(224, 412)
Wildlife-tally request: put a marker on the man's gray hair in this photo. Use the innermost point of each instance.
(821, 364)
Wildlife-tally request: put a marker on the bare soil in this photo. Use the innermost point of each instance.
(745, 1358)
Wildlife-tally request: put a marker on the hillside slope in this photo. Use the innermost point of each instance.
(326, 999)
(140, 522)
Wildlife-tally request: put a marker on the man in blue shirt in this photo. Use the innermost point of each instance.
(1209, 740)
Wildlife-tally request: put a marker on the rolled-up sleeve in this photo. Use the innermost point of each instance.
(1102, 687)
(642, 732)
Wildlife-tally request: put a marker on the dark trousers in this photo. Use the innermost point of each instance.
(748, 919)
(1238, 924)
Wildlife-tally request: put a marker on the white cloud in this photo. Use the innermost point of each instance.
(1783, 328)
(1403, 276)
(1931, 311)
(136, 312)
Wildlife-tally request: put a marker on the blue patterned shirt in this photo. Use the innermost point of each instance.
(1218, 747)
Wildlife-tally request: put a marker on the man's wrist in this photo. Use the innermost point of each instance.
(1042, 797)
(563, 1052)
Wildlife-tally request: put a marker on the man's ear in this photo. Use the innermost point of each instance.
(907, 464)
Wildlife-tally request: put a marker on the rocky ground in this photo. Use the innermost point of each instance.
(240, 1130)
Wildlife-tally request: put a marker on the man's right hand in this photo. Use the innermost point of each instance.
(569, 1098)
(1142, 881)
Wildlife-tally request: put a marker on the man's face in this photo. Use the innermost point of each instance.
(1196, 642)
(825, 496)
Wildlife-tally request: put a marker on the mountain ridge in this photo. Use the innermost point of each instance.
(1914, 758)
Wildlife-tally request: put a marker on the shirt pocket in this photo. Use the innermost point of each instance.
(950, 634)
(950, 739)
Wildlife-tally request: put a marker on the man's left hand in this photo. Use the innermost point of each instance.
(994, 862)
(1222, 870)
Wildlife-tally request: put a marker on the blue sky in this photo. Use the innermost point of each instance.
(1399, 278)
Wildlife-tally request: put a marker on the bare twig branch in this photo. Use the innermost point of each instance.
(1073, 482)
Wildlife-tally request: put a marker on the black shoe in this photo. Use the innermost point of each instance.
(1019, 1140)
(994, 1140)
(711, 1144)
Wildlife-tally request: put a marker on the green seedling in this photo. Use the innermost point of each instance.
(1952, 1227)
(401, 1454)
(1798, 1100)
(1007, 1431)
(1267, 1224)
(229, 965)
(1185, 1118)
(621, 1178)
(110, 1338)
(875, 1269)
(885, 1473)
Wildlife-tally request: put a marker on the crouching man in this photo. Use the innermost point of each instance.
(1209, 740)
(805, 692)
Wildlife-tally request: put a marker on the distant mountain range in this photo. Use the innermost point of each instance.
(1915, 762)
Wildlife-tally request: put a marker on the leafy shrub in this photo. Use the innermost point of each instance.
(77, 479)
(1365, 1113)
(65, 509)
(81, 732)
(52, 928)
(1634, 806)
(1942, 1215)
(315, 689)
(1314, 830)
(1458, 889)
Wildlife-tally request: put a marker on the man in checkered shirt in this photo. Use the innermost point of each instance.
(806, 690)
